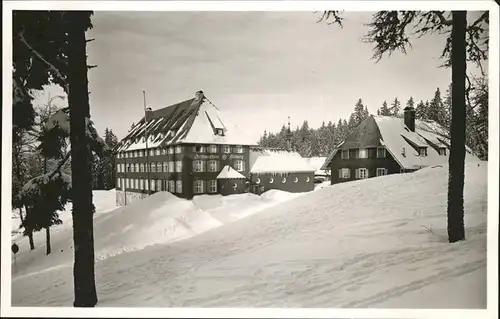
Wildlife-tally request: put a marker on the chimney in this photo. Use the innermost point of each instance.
(409, 117)
(149, 114)
(199, 95)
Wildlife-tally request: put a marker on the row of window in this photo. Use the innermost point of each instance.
(154, 185)
(360, 173)
(283, 180)
(200, 186)
(172, 167)
(166, 167)
(363, 153)
(178, 150)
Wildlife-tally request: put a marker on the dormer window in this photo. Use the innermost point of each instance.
(239, 149)
(403, 152)
(422, 151)
(442, 151)
(178, 149)
(212, 149)
(219, 132)
(170, 150)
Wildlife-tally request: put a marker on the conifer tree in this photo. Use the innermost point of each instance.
(420, 112)
(395, 109)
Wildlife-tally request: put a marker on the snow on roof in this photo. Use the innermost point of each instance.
(268, 161)
(327, 161)
(190, 121)
(229, 173)
(398, 139)
(317, 163)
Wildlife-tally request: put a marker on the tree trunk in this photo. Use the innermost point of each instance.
(47, 238)
(30, 233)
(81, 169)
(456, 229)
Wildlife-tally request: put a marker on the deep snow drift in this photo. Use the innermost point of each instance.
(379, 242)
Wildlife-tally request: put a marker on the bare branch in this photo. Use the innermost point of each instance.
(333, 15)
(91, 66)
(52, 67)
(441, 17)
(89, 40)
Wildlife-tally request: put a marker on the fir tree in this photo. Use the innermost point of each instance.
(395, 109)
(420, 111)
(436, 109)
(384, 110)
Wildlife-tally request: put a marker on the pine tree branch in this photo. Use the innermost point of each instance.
(39, 56)
(60, 165)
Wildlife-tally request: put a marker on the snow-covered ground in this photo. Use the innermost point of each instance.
(379, 242)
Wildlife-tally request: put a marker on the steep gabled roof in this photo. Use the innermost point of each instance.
(403, 144)
(230, 173)
(190, 121)
(277, 161)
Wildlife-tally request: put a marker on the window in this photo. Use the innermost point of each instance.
(212, 149)
(219, 131)
(136, 168)
(153, 184)
(178, 186)
(119, 183)
(141, 167)
(178, 149)
(442, 151)
(171, 167)
(141, 184)
(171, 186)
(403, 152)
(136, 154)
(123, 167)
(344, 173)
(271, 180)
(308, 179)
(158, 167)
(170, 150)
(118, 168)
(239, 165)
(257, 181)
(212, 186)
(381, 171)
(296, 180)
(226, 149)
(283, 180)
(132, 168)
(158, 185)
(178, 166)
(238, 149)
(212, 166)
(344, 154)
(127, 183)
(198, 187)
(157, 151)
(362, 153)
(123, 183)
(146, 184)
(153, 167)
(151, 152)
(165, 167)
(423, 151)
(163, 151)
(198, 166)
(136, 183)
(381, 152)
(199, 149)
(361, 173)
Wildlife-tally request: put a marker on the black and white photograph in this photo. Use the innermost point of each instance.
(250, 158)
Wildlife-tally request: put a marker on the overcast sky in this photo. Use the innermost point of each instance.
(257, 67)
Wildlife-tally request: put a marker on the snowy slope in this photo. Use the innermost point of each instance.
(378, 242)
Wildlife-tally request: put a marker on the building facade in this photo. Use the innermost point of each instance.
(188, 145)
(384, 145)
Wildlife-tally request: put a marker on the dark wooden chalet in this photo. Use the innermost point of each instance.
(188, 145)
(383, 145)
